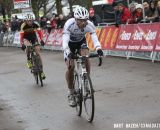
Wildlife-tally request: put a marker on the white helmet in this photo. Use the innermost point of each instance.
(139, 6)
(29, 17)
(81, 13)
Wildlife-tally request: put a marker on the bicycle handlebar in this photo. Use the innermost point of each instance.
(99, 57)
(90, 56)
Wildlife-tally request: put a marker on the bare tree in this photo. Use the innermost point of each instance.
(84, 3)
(59, 6)
(37, 5)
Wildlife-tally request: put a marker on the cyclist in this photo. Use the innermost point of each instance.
(29, 31)
(73, 37)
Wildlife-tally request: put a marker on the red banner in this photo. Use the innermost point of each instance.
(54, 38)
(138, 37)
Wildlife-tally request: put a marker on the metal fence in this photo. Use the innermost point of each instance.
(7, 39)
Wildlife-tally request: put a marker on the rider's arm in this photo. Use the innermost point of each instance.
(40, 34)
(65, 42)
(93, 34)
(66, 37)
(38, 30)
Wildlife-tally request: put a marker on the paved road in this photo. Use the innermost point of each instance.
(127, 92)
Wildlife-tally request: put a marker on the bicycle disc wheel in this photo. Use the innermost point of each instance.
(78, 95)
(88, 98)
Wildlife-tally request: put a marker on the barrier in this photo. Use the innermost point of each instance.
(1, 39)
(130, 41)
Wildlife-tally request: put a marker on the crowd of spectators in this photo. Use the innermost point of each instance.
(55, 22)
(146, 12)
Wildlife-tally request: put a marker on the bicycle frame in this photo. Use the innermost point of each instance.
(80, 69)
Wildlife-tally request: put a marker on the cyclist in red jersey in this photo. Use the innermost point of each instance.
(29, 31)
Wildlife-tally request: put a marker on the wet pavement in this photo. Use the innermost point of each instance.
(127, 93)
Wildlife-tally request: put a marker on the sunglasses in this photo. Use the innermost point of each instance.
(82, 20)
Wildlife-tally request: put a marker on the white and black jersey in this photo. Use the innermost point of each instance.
(72, 33)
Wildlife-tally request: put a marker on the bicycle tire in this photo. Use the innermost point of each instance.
(34, 67)
(36, 77)
(36, 63)
(40, 78)
(78, 95)
(88, 97)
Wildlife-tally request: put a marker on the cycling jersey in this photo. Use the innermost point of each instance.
(72, 33)
(29, 32)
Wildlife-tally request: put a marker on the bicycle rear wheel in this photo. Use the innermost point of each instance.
(88, 98)
(78, 95)
(40, 78)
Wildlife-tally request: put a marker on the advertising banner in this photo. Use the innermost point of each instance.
(19, 4)
(137, 37)
(54, 38)
(157, 46)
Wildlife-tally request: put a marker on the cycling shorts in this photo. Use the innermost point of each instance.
(74, 47)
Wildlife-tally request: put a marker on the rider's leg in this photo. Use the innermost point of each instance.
(29, 63)
(28, 53)
(69, 74)
(69, 79)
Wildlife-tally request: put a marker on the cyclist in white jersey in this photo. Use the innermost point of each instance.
(73, 37)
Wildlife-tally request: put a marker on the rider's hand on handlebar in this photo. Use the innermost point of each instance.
(42, 43)
(100, 52)
(23, 47)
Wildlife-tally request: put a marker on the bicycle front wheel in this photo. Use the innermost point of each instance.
(78, 95)
(36, 77)
(88, 98)
(40, 78)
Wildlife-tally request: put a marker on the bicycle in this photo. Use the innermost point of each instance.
(84, 91)
(36, 69)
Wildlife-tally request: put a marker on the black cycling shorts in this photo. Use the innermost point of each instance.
(76, 46)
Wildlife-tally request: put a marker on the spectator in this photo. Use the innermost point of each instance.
(61, 21)
(132, 7)
(94, 18)
(14, 24)
(53, 23)
(154, 13)
(158, 10)
(147, 11)
(48, 26)
(125, 14)
(43, 22)
(137, 15)
(116, 13)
